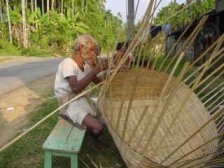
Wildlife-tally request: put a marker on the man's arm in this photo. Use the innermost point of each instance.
(79, 86)
(100, 77)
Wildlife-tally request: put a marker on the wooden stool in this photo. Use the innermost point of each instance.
(65, 140)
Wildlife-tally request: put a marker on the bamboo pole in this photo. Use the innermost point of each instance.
(189, 41)
(211, 92)
(211, 61)
(48, 116)
(219, 55)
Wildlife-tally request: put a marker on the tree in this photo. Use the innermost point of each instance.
(25, 40)
(9, 21)
(186, 16)
(31, 23)
(1, 13)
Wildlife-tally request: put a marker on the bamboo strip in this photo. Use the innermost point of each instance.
(210, 75)
(165, 107)
(209, 141)
(189, 41)
(210, 83)
(215, 116)
(138, 124)
(129, 107)
(173, 47)
(46, 117)
(214, 95)
(199, 68)
(221, 38)
(211, 92)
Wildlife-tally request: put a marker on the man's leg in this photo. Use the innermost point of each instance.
(93, 125)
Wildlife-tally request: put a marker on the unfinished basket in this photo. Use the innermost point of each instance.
(164, 110)
(143, 136)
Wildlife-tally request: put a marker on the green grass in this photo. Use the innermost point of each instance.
(8, 49)
(28, 152)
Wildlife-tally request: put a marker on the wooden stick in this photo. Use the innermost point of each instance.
(208, 49)
(210, 83)
(214, 95)
(189, 41)
(45, 118)
(211, 92)
(173, 47)
(198, 69)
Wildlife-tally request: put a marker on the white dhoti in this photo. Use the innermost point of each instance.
(78, 109)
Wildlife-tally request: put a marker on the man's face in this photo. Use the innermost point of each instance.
(89, 54)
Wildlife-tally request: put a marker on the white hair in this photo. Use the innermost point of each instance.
(84, 40)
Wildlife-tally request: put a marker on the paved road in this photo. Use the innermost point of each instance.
(16, 74)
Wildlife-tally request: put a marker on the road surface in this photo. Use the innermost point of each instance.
(23, 86)
(16, 74)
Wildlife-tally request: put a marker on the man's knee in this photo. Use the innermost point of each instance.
(93, 124)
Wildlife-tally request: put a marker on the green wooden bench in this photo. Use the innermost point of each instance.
(65, 140)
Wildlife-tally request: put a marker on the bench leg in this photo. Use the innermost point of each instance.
(47, 159)
(74, 161)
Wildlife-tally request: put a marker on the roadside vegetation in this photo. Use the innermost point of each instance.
(43, 28)
(186, 16)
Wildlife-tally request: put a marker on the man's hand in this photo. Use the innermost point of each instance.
(101, 66)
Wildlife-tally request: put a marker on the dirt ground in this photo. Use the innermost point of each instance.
(16, 106)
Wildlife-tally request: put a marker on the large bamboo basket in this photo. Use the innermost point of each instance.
(150, 130)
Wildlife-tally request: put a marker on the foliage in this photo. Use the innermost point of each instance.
(57, 29)
(8, 49)
(186, 16)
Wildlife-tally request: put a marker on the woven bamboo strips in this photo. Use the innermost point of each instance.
(209, 141)
(156, 119)
(217, 115)
(166, 106)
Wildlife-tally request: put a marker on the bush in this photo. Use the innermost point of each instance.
(7, 48)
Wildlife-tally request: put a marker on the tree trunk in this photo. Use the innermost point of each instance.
(25, 41)
(52, 4)
(42, 5)
(31, 4)
(1, 15)
(62, 6)
(72, 8)
(9, 21)
(35, 8)
(48, 5)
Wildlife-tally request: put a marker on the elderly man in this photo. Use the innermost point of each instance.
(73, 76)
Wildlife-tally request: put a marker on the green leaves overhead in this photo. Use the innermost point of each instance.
(59, 27)
(186, 16)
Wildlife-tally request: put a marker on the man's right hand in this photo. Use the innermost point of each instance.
(101, 66)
